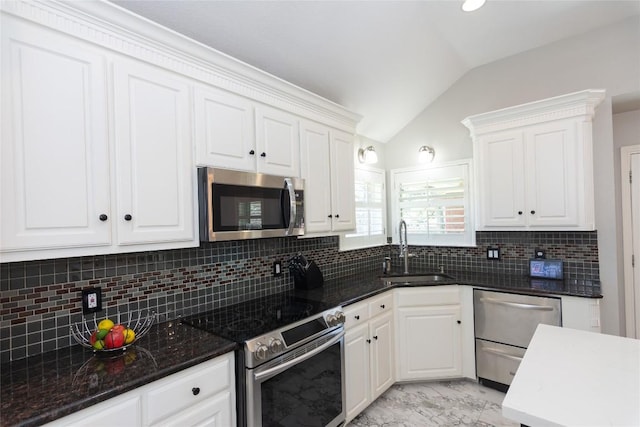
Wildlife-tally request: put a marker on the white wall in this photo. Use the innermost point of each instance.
(607, 58)
(626, 132)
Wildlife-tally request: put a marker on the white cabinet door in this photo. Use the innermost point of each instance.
(154, 171)
(316, 171)
(552, 188)
(277, 142)
(357, 369)
(501, 175)
(54, 154)
(382, 353)
(224, 130)
(429, 342)
(342, 181)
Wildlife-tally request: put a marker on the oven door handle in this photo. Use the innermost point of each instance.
(518, 304)
(279, 368)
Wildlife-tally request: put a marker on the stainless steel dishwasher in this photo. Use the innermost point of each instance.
(504, 325)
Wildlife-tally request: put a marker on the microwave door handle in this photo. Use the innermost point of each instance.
(288, 185)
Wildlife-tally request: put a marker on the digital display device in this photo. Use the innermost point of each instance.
(546, 268)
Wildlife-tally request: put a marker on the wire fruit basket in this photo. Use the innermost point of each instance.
(112, 336)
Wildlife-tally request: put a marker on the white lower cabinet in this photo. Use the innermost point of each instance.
(369, 351)
(429, 333)
(203, 395)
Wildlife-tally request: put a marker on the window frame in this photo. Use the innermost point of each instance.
(348, 241)
(468, 239)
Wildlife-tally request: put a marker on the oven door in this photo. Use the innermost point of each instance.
(305, 387)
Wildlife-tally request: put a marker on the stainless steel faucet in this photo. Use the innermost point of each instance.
(404, 245)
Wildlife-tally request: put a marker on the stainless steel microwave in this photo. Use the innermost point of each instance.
(241, 205)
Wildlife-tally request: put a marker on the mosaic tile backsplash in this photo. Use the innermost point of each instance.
(40, 299)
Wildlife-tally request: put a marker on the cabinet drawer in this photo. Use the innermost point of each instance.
(381, 304)
(497, 362)
(187, 388)
(435, 295)
(356, 314)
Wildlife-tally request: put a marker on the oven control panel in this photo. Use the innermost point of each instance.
(273, 344)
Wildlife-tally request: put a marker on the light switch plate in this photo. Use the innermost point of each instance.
(493, 253)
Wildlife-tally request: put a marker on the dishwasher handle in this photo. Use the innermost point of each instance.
(501, 353)
(517, 304)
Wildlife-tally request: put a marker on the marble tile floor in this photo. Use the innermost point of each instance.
(442, 403)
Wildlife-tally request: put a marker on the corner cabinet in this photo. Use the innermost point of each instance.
(534, 164)
(369, 351)
(328, 169)
(429, 333)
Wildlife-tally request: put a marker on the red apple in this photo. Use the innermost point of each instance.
(118, 328)
(114, 340)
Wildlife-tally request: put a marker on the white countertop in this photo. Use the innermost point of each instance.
(576, 378)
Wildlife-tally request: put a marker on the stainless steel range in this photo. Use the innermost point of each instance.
(290, 367)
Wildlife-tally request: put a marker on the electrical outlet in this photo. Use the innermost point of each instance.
(540, 254)
(277, 268)
(91, 300)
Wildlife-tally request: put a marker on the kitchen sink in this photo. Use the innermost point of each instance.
(417, 280)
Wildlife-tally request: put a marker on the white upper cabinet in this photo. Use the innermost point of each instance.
(224, 130)
(342, 181)
(316, 171)
(277, 142)
(534, 164)
(55, 161)
(154, 169)
(105, 117)
(327, 168)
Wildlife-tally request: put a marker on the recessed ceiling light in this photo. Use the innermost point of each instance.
(471, 5)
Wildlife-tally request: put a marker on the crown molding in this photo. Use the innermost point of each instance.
(112, 27)
(577, 104)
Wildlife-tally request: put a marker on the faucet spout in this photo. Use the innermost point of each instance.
(404, 245)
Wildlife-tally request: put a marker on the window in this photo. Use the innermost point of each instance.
(435, 203)
(370, 210)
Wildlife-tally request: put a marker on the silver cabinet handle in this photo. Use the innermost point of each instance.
(518, 304)
(502, 354)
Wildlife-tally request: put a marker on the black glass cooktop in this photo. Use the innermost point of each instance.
(249, 319)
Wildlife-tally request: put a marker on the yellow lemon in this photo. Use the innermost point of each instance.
(98, 345)
(129, 336)
(106, 324)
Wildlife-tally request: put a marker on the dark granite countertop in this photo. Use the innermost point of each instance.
(54, 384)
(51, 385)
(353, 288)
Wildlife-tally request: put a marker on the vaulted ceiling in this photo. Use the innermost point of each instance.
(386, 60)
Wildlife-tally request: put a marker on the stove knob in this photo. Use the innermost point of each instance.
(331, 320)
(275, 345)
(340, 317)
(261, 351)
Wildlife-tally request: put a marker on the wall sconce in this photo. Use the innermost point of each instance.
(367, 155)
(426, 154)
